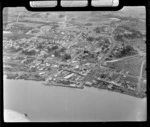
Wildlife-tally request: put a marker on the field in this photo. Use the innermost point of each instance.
(139, 44)
(141, 25)
(17, 36)
(114, 76)
(130, 79)
(132, 66)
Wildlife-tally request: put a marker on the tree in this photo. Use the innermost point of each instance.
(62, 49)
(98, 30)
(90, 39)
(55, 47)
(32, 52)
(66, 57)
(127, 50)
(61, 16)
(88, 24)
(57, 54)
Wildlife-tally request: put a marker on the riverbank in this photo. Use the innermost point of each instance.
(114, 88)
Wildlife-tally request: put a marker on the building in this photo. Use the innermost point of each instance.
(68, 76)
(73, 85)
(88, 83)
(41, 73)
(110, 86)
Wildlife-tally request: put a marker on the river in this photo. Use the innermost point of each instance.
(52, 103)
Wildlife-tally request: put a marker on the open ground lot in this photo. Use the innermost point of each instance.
(131, 66)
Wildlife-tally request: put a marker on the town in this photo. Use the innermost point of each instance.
(74, 54)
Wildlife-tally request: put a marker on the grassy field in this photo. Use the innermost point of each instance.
(140, 44)
(114, 76)
(30, 24)
(130, 79)
(134, 66)
(129, 65)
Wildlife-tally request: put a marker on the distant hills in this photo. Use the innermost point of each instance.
(129, 12)
(134, 11)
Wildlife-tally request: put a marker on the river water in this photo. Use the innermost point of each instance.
(54, 103)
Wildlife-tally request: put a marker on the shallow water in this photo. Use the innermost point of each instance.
(54, 103)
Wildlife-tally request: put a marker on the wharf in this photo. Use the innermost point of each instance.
(62, 85)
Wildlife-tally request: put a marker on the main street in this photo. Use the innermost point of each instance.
(111, 39)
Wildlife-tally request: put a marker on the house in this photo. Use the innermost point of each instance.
(47, 64)
(77, 66)
(55, 65)
(41, 69)
(23, 61)
(94, 81)
(41, 73)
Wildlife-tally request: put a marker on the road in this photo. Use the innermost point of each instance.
(111, 39)
(140, 77)
(113, 42)
(75, 39)
(124, 58)
(17, 54)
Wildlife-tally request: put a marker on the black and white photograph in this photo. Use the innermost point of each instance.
(74, 66)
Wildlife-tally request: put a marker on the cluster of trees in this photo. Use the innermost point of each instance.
(54, 26)
(88, 55)
(12, 76)
(50, 49)
(98, 30)
(126, 51)
(61, 53)
(119, 38)
(88, 24)
(90, 39)
(58, 53)
(32, 52)
(28, 60)
(66, 57)
(61, 16)
(13, 50)
(120, 34)
(134, 35)
(40, 46)
(19, 27)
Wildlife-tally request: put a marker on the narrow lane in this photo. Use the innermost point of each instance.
(140, 77)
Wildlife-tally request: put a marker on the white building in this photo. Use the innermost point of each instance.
(72, 84)
(68, 76)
